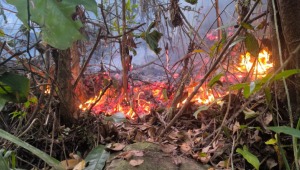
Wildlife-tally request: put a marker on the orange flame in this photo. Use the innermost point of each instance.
(145, 98)
(261, 67)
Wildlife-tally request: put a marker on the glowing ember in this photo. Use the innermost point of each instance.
(144, 98)
(47, 90)
(262, 65)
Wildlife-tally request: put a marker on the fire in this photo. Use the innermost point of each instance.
(144, 98)
(262, 65)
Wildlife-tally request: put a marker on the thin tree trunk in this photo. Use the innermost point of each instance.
(124, 52)
(65, 91)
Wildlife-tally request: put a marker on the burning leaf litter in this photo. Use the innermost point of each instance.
(154, 95)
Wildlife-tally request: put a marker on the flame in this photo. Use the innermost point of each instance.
(146, 97)
(262, 65)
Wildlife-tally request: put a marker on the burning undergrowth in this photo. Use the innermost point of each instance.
(146, 96)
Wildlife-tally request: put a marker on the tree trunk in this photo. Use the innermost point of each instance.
(289, 36)
(67, 106)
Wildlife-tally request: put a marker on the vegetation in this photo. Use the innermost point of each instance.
(216, 82)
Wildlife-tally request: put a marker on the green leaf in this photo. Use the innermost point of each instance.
(96, 158)
(250, 113)
(42, 155)
(286, 130)
(1, 33)
(2, 103)
(201, 108)
(247, 26)
(252, 44)
(215, 79)
(14, 87)
(252, 159)
(286, 74)
(116, 117)
(55, 18)
(152, 38)
(268, 94)
(3, 163)
(238, 86)
(193, 2)
(271, 141)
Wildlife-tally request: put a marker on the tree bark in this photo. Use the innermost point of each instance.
(288, 18)
(67, 106)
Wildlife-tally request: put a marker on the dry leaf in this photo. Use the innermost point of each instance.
(137, 153)
(80, 165)
(139, 136)
(125, 155)
(236, 127)
(151, 132)
(75, 156)
(271, 163)
(185, 148)
(115, 146)
(267, 119)
(69, 163)
(168, 148)
(205, 159)
(136, 162)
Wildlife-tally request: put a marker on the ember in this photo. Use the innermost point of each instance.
(151, 96)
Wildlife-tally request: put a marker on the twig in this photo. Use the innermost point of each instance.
(100, 96)
(213, 67)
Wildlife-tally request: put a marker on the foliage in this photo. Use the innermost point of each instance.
(96, 158)
(252, 44)
(152, 38)
(254, 86)
(193, 2)
(55, 18)
(286, 130)
(252, 159)
(45, 157)
(215, 80)
(7, 157)
(13, 87)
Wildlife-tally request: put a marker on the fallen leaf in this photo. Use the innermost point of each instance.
(235, 127)
(80, 165)
(151, 132)
(267, 119)
(139, 136)
(125, 155)
(205, 159)
(75, 156)
(271, 163)
(221, 164)
(168, 148)
(136, 162)
(185, 148)
(69, 163)
(137, 153)
(115, 146)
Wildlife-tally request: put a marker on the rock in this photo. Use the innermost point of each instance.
(154, 159)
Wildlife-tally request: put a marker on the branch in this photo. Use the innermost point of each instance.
(184, 107)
